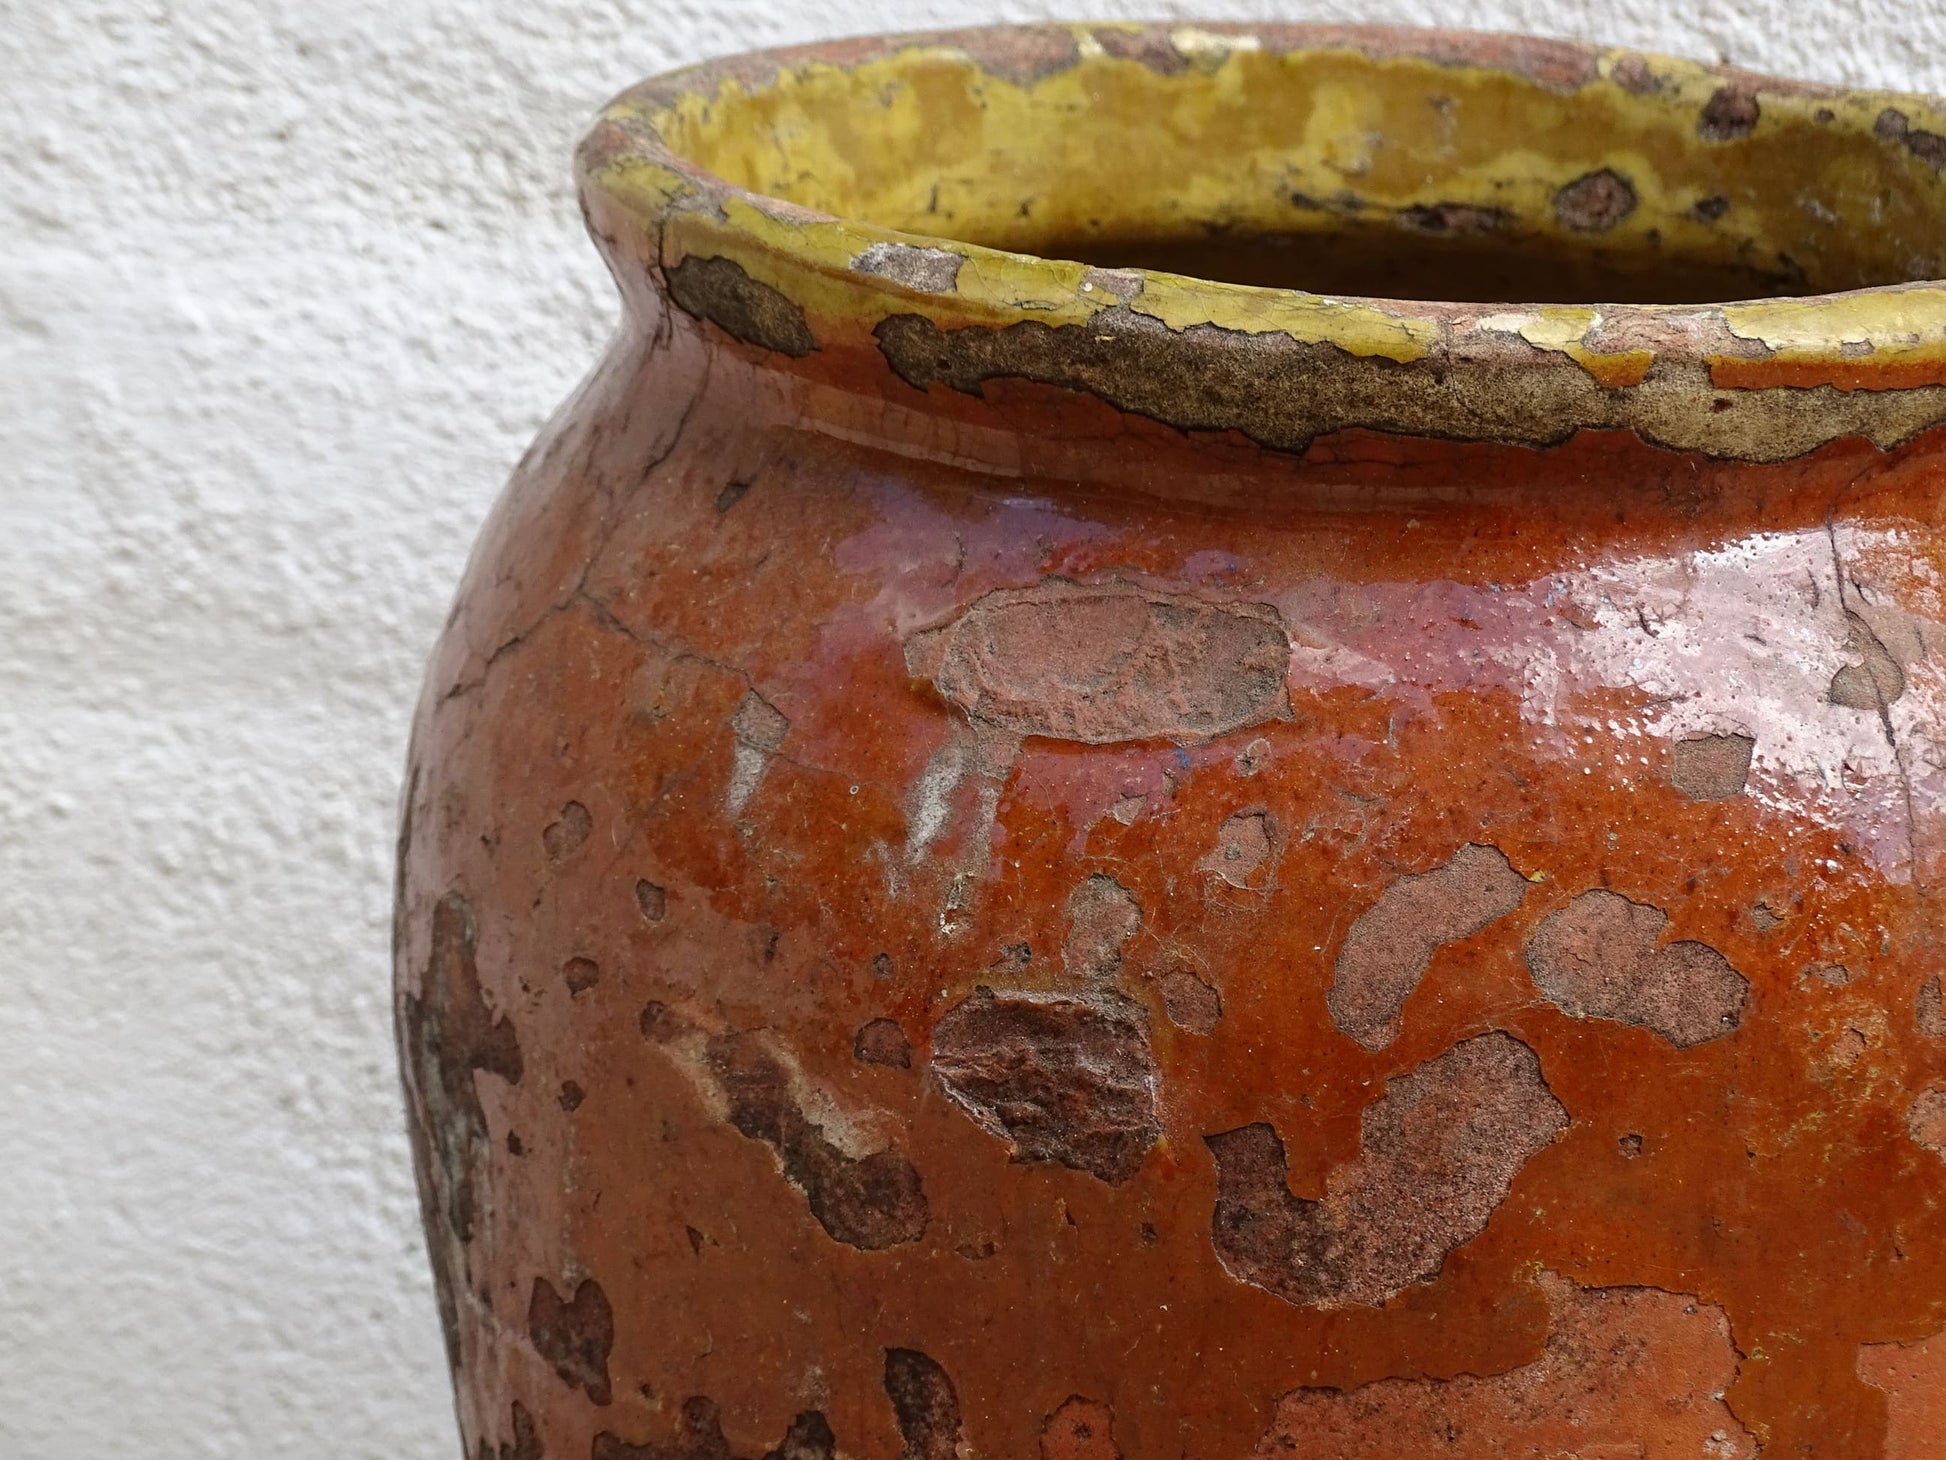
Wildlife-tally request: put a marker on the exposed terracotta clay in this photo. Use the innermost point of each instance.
(1598, 958)
(867, 1199)
(1242, 848)
(1913, 1379)
(699, 1436)
(575, 1336)
(1441, 1150)
(1927, 1120)
(1875, 680)
(1391, 943)
(1595, 202)
(1095, 802)
(1103, 916)
(1711, 767)
(1061, 1079)
(1929, 1012)
(1620, 1365)
(926, 1405)
(1106, 664)
(1080, 1430)
(1190, 1002)
(525, 1443)
(882, 1042)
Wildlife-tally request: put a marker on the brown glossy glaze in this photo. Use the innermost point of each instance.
(956, 917)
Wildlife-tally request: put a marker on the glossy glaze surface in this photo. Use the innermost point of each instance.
(1273, 875)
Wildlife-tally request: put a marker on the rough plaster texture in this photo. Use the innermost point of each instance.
(284, 289)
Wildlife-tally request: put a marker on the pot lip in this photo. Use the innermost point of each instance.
(1857, 360)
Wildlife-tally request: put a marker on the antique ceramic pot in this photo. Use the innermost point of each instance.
(1056, 821)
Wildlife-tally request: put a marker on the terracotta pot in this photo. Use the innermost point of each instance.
(1019, 858)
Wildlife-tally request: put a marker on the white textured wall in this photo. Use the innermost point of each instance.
(285, 285)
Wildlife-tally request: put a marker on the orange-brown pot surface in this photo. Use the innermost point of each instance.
(1057, 821)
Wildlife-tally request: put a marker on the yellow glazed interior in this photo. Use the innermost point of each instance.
(1322, 186)
(1326, 168)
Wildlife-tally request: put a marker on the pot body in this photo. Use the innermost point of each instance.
(945, 924)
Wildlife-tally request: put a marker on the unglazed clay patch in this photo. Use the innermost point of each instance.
(1926, 1120)
(1242, 848)
(1440, 1151)
(1080, 1429)
(870, 1200)
(926, 1404)
(1598, 957)
(575, 1335)
(1625, 1372)
(1711, 767)
(526, 1441)
(699, 1436)
(1106, 664)
(1102, 916)
(721, 291)
(1390, 944)
(930, 270)
(1912, 1377)
(1067, 1080)
(1192, 1004)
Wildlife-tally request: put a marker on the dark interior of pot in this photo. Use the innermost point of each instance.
(1386, 261)
(1335, 170)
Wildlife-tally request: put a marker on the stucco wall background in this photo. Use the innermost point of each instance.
(285, 287)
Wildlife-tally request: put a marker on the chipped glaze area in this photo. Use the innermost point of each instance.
(937, 924)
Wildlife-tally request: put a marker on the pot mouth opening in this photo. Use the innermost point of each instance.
(1447, 253)
(1397, 165)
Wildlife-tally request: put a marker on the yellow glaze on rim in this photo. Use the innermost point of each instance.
(983, 146)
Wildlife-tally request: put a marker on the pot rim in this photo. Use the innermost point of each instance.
(1766, 378)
